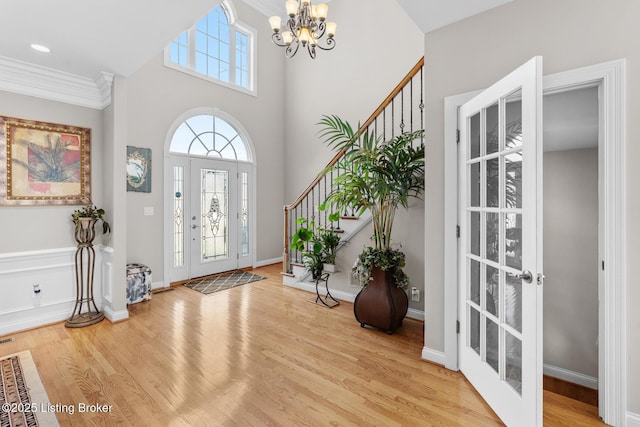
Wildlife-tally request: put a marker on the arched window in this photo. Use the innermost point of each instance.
(218, 47)
(210, 136)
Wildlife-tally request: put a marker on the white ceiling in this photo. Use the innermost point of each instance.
(87, 37)
(570, 120)
(433, 14)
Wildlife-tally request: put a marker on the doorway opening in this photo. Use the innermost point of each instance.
(610, 80)
(209, 197)
(570, 243)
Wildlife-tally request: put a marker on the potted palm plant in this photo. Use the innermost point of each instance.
(380, 176)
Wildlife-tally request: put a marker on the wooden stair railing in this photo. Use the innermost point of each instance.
(392, 116)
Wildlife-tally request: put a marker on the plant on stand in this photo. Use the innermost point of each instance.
(85, 311)
(380, 176)
(305, 240)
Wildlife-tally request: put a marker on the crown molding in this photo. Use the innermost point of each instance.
(42, 82)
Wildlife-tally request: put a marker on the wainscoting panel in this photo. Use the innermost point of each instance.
(53, 271)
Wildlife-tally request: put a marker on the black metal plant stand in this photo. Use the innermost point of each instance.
(327, 300)
(85, 260)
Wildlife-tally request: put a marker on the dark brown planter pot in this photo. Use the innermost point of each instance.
(381, 303)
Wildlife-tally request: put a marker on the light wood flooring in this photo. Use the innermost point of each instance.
(256, 355)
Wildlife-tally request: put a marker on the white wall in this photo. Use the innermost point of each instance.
(158, 95)
(351, 81)
(474, 53)
(571, 260)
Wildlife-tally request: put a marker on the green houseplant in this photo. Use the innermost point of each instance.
(87, 214)
(330, 241)
(380, 176)
(306, 240)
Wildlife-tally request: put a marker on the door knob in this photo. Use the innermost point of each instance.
(525, 275)
(194, 226)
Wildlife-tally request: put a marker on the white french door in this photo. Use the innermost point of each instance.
(210, 210)
(500, 262)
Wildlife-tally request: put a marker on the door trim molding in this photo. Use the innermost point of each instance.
(168, 182)
(611, 76)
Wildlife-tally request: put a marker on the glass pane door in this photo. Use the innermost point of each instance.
(213, 217)
(499, 239)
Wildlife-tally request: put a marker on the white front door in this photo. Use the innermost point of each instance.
(213, 217)
(500, 261)
(209, 210)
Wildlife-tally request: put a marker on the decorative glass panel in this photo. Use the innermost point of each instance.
(244, 212)
(178, 216)
(513, 368)
(215, 214)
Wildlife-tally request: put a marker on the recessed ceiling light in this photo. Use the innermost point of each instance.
(40, 48)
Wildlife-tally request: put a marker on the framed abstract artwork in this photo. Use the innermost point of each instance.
(139, 169)
(44, 163)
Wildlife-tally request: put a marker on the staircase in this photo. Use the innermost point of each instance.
(401, 111)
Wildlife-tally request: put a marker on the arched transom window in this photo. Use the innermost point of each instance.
(210, 136)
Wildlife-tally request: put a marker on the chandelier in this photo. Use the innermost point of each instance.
(307, 26)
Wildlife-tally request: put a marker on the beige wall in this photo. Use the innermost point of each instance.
(351, 81)
(158, 95)
(474, 53)
(570, 238)
(30, 228)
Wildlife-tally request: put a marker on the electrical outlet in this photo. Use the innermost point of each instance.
(415, 294)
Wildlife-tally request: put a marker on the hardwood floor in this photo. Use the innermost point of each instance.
(256, 355)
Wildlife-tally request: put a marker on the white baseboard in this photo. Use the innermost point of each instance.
(38, 287)
(267, 262)
(158, 285)
(412, 313)
(633, 420)
(570, 376)
(115, 316)
(311, 287)
(22, 320)
(434, 356)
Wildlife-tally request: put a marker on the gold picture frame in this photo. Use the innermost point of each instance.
(44, 163)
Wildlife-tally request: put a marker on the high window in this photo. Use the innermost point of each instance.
(217, 48)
